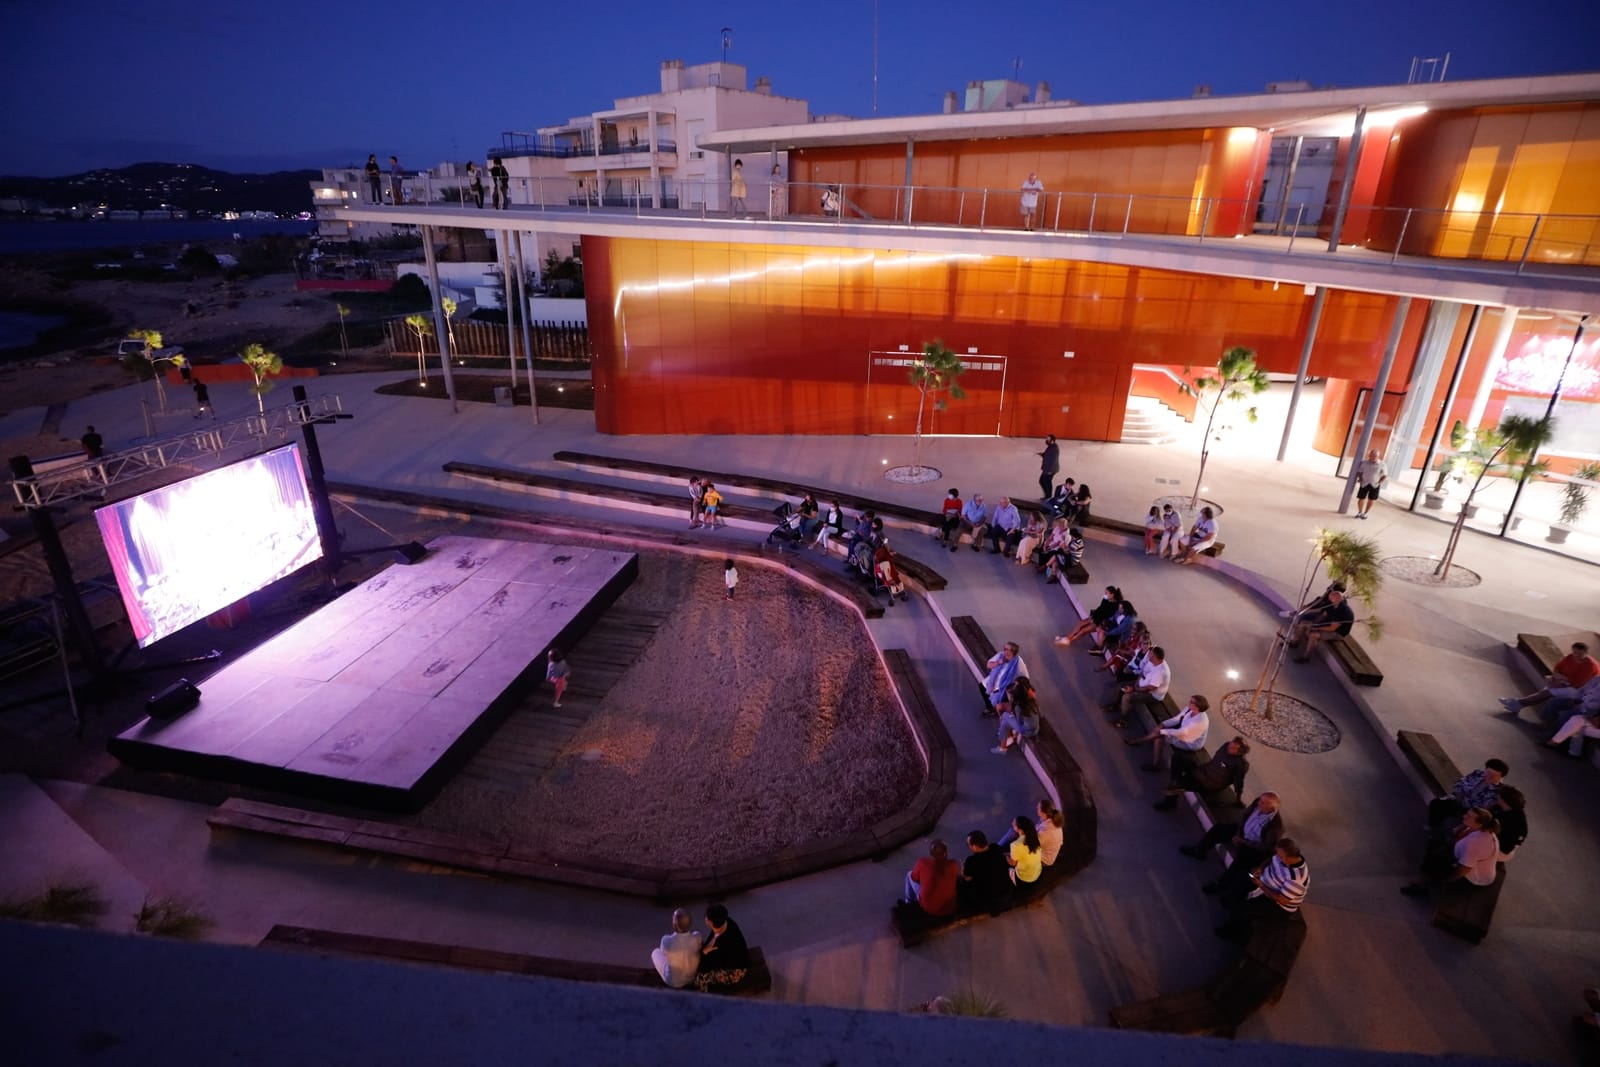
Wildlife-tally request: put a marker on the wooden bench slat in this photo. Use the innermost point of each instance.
(1430, 760)
(1354, 660)
(1466, 910)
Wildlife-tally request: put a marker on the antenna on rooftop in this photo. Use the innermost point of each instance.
(874, 57)
(727, 39)
(1432, 69)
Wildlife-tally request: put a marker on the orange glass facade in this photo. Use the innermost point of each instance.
(778, 339)
(1481, 177)
(1151, 180)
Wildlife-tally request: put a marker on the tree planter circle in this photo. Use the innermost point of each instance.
(1180, 503)
(1295, 726)
(913, 475)
(1418, 570)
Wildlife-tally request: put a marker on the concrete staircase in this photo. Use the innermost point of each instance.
(1150, 422)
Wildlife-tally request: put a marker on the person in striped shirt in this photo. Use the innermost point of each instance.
(1277, 889)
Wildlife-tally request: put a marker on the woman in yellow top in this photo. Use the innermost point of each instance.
(1026, 860)
(738, 190)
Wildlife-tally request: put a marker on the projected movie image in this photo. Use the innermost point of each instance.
(187, 550)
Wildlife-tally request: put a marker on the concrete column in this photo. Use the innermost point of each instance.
(441, 332)
(527, 334)
(655, 163)
(1375, 402)
(1337, 230)
(1491, 370)
(500, 239)
(909, 156)
(1305, 365)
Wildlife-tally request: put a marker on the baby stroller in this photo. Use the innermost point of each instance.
(860, 559)
(787, 532)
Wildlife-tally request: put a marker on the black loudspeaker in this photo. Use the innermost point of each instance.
(410, 552)
(173, 701)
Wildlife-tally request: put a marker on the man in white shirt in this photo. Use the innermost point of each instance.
(1149, 689)
(1185, 733)
(1370, 477)
(678, 958)
(1030, 199)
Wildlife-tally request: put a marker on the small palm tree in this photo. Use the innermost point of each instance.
(1511, 449)
(1349, 559)
(934, 376)
(449, 307)
(344, 339)
(152, 361)
(1237, 377)
(423, 329)
(263, 366)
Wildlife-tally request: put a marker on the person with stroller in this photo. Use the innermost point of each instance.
(808, 516)
(886, 573)
(789, 530)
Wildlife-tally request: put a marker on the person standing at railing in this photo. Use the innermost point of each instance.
(502, 184)
(396, 182)
(375, 178)
(1030, 199)
(777, 195)
(475, 183)
(738, 190)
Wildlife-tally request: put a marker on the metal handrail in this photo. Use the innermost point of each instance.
(1523, 241)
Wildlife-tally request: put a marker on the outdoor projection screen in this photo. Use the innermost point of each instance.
(192, 548)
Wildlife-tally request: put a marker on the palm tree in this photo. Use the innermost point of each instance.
(934, 375)
(449, 307)
(153, 360)
(344, 339)
(1237, 377)
(263, 365)
(1510, 449)
(1350, 559)
(423, 329)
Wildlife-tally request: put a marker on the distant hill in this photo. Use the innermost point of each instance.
(192, 188)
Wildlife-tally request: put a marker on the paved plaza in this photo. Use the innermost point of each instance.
(1373, 973)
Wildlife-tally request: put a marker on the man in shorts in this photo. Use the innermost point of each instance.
(1370, 476)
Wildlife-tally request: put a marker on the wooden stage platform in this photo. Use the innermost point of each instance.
(376, 698)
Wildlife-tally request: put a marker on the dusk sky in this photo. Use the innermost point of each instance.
(90, 83)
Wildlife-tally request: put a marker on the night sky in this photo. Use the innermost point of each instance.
(91, 83)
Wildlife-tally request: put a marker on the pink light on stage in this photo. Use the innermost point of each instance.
(189, 549)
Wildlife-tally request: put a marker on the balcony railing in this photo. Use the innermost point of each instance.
(1523, 241)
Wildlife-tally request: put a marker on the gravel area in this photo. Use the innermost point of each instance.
(1295, 726)
(1418, 570)
(745, 727)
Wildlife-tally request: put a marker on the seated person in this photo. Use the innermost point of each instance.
(950, 515)
(1078, 511)
(1184, 733)
(974, 520)
(1055, 541)
(887, 573)
(1171, 531)
(1584, 700)
(931, 883)
(1573, 732)
(678, 958)
(1480, 789)
(1512, 816)
(1148, 690)
(1469, 856)
(1252, 840)
(1069, 554)
(1005, 528)
(1032, 537)
(1315, 604)
(1004, 668)
(724, 957)
(1335, 618)
(1128, 657)
(1113, 633)
(1572, 671)
(1202, 535)
(985, 876)
(1060, 502)
(807, 510)
(1099, 615)
(863, 526)
(1049, 826)
(1225, 770)
(1019, 716)
(1152, 530)
(1025, 858)
(1276, 890)
(831, 526)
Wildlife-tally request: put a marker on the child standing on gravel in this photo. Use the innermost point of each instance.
(557, 673)
(730, 576)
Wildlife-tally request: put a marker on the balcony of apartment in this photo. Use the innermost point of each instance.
(1482, 256)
